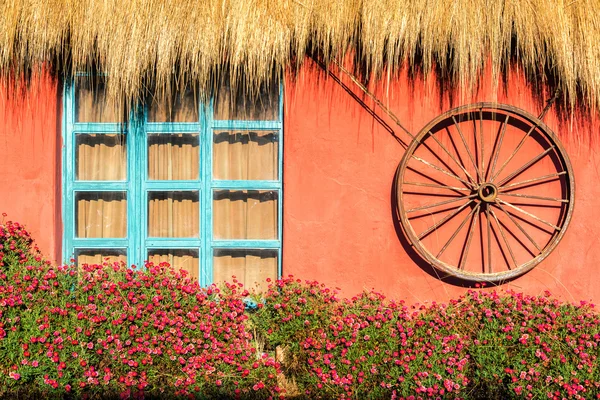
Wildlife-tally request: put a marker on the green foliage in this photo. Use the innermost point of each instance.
(484, 345)
(110, 331)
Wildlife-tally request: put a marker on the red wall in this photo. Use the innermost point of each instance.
(339, 167)
(338, 170)
(30, 160)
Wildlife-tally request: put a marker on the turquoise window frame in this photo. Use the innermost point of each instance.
(137, 185)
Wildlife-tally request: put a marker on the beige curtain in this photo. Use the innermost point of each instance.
(179, 107)
(92, 103)
(244, 214)
(173, 214)
(173, 157)
(101, 215)
(99, 256)
(101, 157)
(245, 155)
(237, 105)
(179, 259)
(250, 267)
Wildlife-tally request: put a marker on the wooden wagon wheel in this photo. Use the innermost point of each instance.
(485, 192)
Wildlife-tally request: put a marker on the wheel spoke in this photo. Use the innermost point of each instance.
(530, 181)
(514, 221)
(532, 224)
(525, 166)
(527, 196)
(512, 255)
(499, 145)
(462, 138)
(497, 240)
(441, 203)
(420, 173)
(529, 214)
(440, 169)
(458, 156)
(444, 164)
(460, 165)
(489, 238)
(444, 220)
(429, 194)
(456, 232)
(514, 152)
(431, 185)
(481, 144)
(463, 259)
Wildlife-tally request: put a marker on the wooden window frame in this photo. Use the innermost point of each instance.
(137, 185)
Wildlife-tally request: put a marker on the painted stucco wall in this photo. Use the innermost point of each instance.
(30, 160)
(339, 167)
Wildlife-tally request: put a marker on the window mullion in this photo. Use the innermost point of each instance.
(246, 185)
(134, 220)
(206, 216)
(280, 191)
(246, 243)
(68, 195)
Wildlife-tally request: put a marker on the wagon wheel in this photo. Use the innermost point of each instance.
(485, 192)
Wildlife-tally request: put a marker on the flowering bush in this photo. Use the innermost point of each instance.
(363, 345)
(530, 347)
(112, 331)
(484, 345)
(108, 330)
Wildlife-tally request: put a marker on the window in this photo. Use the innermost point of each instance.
(197, 185)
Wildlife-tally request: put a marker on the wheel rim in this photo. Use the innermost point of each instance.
(485, 192)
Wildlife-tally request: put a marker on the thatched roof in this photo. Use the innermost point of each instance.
(137, 41)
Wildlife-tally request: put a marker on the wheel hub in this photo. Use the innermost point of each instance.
(487, 192)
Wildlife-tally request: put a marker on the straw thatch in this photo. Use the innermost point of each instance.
(164, 41)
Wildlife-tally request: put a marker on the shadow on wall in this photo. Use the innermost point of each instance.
(447, 96)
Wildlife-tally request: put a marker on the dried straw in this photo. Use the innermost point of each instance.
(165, 41)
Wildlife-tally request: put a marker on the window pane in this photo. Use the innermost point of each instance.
(245, 155)
(178, 107)
(244, 214)
(92, 103)
(99, 256)
(173, 156)
(251, 267)
(186, 259)
(173, 214)
(101, 157)
(101, 214)
(230, 105)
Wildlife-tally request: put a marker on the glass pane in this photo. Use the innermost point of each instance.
(92, 103)
(101, 214)
(173, 156)
(178, 107)
(101, 157)
(244, 214)
(99, 256)
(245, 155)
(186, 259)
(173, 214)
(251, 267)
(233, 104)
